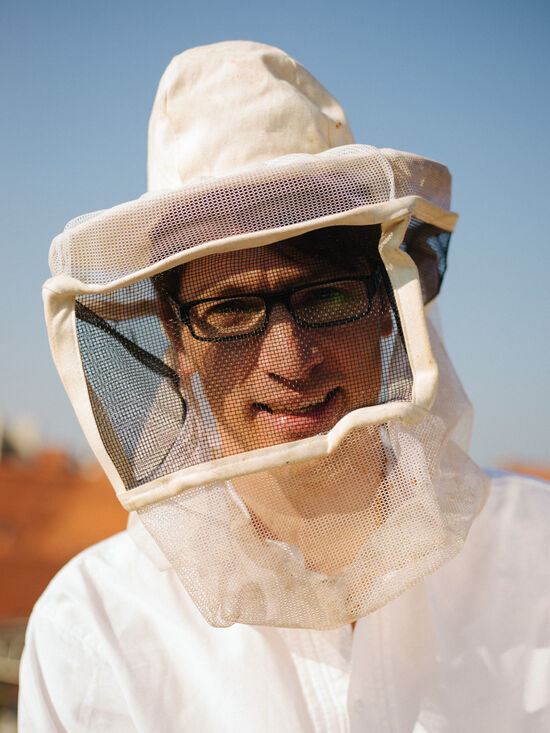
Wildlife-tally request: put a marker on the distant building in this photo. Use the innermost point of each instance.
(51, 508)
(528, 468)
(19, 437)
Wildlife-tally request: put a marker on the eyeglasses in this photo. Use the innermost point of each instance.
(318, 305)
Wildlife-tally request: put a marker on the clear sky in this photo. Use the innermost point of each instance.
(466, 83)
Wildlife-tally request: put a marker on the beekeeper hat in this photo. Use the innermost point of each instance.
(248, 149)
(229, 119)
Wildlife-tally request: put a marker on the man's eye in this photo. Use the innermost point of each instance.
(232, 312)
(327, 296)
(333, 294)
(229, 307)
(332, 302)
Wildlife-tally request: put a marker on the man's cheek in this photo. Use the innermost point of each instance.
(223, 383)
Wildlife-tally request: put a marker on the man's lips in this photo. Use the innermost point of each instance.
(297, 407)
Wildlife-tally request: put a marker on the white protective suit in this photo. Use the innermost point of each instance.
(253, 353)
(116, 645)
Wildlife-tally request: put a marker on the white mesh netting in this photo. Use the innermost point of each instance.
(101, 248)
(245, 347)
(323, 543)
(242, 350)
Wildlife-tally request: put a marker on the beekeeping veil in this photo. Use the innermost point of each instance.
(248, 350)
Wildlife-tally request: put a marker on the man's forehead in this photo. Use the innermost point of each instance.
(266, 268)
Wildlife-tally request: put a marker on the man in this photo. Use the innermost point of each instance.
(253, 354)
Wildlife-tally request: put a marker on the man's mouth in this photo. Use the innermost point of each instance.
(302, 407)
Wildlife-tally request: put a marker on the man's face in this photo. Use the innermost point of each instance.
(288, 382)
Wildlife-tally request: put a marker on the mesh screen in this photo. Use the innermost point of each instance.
(253, 348)
(242, 350)
(105, 246)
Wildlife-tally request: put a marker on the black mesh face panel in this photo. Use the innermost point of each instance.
(123, 354)
(328, 341)
(428, 246)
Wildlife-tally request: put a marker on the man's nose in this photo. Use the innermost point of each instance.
(288, 350)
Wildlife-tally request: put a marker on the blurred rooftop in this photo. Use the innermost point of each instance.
(51, 509)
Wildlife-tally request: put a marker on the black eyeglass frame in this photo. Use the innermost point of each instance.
(372, 283)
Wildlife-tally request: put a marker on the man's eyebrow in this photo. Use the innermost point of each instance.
(222, 290)
(232, 288)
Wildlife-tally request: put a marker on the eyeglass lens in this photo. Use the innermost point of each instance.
(318, 305)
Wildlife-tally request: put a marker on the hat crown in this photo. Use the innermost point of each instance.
(229, 105)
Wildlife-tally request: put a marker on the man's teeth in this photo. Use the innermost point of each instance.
(297, 409)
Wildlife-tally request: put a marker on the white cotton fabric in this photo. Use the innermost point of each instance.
(231, 105)
(115, 644)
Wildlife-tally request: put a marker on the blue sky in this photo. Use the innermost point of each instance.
(465, 83)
